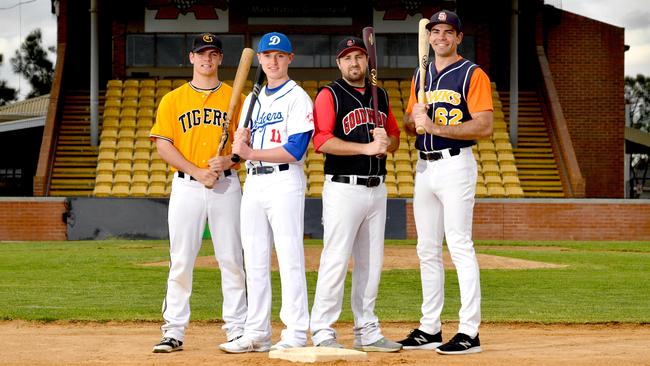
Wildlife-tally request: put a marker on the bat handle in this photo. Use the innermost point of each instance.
(420, 130)
(235, 158)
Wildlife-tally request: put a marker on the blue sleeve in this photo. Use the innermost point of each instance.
(297, 144)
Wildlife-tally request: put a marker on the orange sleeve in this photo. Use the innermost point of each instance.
(479, 97)
(412, 98)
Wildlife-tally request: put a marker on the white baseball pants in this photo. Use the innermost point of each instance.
(354, 219)
(443, 204)
(272, 212)
(190, 204)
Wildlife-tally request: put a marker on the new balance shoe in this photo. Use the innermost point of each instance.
(460, 344)
(331, 342)
(245, 345)
(382, 345)
(167, 345)
(418, 339)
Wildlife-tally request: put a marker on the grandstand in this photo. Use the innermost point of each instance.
(556, 155)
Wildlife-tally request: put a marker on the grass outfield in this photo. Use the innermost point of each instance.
(104, 280)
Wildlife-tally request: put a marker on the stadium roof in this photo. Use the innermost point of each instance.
(24, 114)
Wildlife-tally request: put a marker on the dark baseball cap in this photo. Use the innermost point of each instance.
(445, 17)
(206, 40)
(349, 44)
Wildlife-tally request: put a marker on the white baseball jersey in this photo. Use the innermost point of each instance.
(272, 213)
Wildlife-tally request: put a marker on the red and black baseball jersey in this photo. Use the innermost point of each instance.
(345, 112)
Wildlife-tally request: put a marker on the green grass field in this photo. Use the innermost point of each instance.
(104, 281)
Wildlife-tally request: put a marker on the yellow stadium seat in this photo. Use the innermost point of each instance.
(316, 177)
(403, 166)
(130, 103)
(128, 112)
(102, 190)
(148, 83)
(130, 92)
(113, 103)
(309, 84)
(111, 112)
(156, 190)
(109, 134)
(140, 167)
(147, 102)
(114, 83)
(163, 83)
(496, 191)
(139, 190)
(107, 167)
(390, 178)
(124, 156)
(405, 178)
(391, 189)
(158, 177)
(131, 83)
(387, 84)
(503, 147)
(142, 157)
(405, 190)
(145, 112)
(160, 92)
(514, 192)
(107, 145)
(179, 82)
(481, 191)
(490, 169)
(485, 145)
(506, 157)
(142, 145)
(114, 93)
(147, 93)
(488, 157)
(511, 181)
(405, 83)
(508, 170)
(315, 190)
(501, 136)
(106, 155)
(160, 167)
(127, 122)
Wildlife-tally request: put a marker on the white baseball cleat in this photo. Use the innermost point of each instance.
(245, 345)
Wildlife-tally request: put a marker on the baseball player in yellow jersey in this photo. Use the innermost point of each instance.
(187, 133)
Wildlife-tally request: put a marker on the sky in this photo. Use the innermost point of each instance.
(19, 17)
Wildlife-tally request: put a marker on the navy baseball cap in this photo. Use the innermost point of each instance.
(445, 17)
(349, 44)
(274, 41)
(206, 40)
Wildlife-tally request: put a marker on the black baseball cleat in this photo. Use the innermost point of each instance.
(460, 344)
(167, 345)
(418, 339)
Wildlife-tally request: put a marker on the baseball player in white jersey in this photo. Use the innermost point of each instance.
(354, 199)
(272, 210)
(457, 111)
(187, 133)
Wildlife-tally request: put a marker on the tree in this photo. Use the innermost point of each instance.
(637, 96)
(31, 62)
(7, 94)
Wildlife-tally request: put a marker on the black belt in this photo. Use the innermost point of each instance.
(227, 173)
(437, 155)
(256, 170)
(368, 182)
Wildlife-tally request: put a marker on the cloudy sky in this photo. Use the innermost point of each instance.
(19, 17)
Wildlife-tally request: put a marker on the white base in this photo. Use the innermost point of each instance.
(318, 354)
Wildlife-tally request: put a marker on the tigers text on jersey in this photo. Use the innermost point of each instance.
(275, 117)
(192, 119)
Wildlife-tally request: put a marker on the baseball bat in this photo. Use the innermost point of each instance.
(371, 47)
(241, 75)
(257, 86)
(423, 58)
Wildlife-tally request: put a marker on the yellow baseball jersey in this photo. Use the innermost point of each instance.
(192, 120)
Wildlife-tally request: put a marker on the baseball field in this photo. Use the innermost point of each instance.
(543, 303)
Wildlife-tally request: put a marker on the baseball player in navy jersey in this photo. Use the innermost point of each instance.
(187, 132)
(457, 111)
(272, 210)
(354, 198)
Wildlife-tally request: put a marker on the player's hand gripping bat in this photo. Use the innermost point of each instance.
(423, 60)
(257, 86)
(245, 63)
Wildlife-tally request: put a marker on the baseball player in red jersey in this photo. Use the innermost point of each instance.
(187, 133)
(458, 110)
(354, 198)
(273, 204)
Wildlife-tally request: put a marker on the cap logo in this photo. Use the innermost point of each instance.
(350, 42)
(208, 38)
(274, 40)
(442, 16)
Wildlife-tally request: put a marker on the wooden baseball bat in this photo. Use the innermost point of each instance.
(241, 75)
(371, 48)
(423, 58)
(257, 86)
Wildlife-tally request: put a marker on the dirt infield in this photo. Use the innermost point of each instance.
(397, 257)
(26, 343)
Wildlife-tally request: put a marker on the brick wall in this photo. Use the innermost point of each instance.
(586, 58)
(32, 219)
(557, 220)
